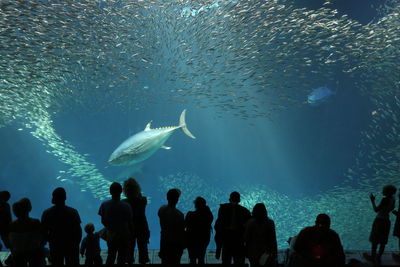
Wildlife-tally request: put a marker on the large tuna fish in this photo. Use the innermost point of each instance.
(142, 145)
(319, 95)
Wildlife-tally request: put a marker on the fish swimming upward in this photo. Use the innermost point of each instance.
(142, 145)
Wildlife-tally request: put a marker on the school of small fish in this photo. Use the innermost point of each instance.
(250, 59)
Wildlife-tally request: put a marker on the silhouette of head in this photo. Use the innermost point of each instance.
(234, 197)
(132, 188)
(389, 190)
(89, 228)
(5, 196)
(59, 196)
(115, 189)
(199, 203)
(259, 211)
(22, 207)
(173, 195)
(323, 220)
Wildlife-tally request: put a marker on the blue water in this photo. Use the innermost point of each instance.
(296, 160)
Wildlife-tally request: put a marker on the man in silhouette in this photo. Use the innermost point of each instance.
(5, 216)
(172, 230)
(63, 230)
(116, 216)
(319, 245)
(229, 230)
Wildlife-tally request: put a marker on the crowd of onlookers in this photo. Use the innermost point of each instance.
(239, 233)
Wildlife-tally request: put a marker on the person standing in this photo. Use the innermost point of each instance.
(198, 230)
(381, 226)
(63, 230)
(5, 216)
(229, 228)
(141, 233)
(260, 237)
(396, 229)
(90, 246)
(116, 216)
(26, 237)
(172, 225)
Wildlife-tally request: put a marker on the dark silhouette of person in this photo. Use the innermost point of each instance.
(198, 230)
(5, 216)
(116, 216)
(141, 234)
(63, 230)
(229, 230)
(90, 246)
(172, 225)
(319, 245)
(396, 229)
(381, 226)
(260, 237)
(290, 253)
(26, 237)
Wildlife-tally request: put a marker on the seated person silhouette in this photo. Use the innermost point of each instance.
(319, 245)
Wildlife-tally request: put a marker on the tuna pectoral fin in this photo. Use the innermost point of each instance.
(166, 147)
(182, 124)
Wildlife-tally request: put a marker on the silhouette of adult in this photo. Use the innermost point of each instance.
(198, 230)
(26, 237)
(90, 246)
(116, 216)
(260, 237)
(381, 226)
(396, 230)
(141, 232)
(63, 230)
(319, 245)
(229, 230)
(5, 216)
(172, 225)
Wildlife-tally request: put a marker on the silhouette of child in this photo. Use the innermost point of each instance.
(90, 246)
(381, 225)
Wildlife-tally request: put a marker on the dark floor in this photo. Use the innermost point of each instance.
(387, 259)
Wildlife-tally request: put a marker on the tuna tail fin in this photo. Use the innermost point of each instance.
(182, 124)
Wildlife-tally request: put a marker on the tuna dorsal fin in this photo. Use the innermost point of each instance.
(148, 126)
